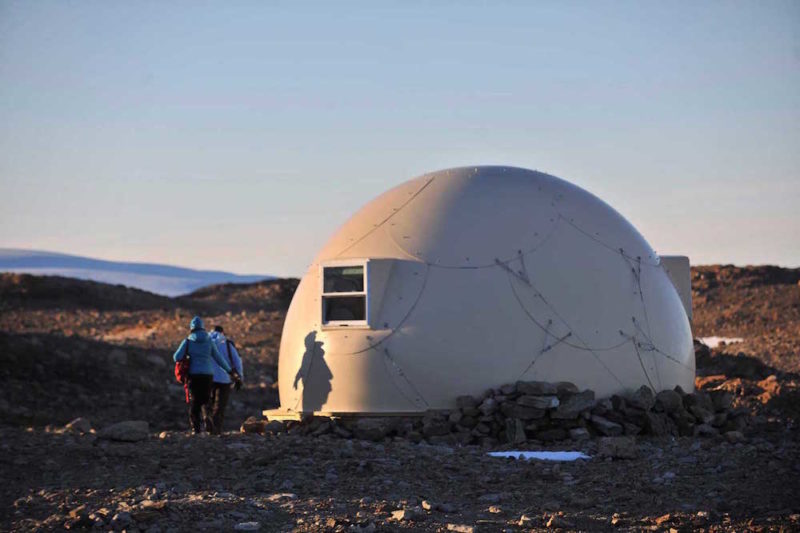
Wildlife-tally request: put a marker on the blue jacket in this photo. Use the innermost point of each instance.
(203, 353)
(231, 356)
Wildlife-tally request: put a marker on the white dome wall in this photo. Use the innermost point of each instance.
(596, 307)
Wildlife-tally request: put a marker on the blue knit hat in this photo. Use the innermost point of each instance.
(197, 323)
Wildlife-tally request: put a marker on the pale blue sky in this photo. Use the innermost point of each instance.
(239, 135)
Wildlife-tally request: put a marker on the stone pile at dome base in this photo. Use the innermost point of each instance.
(535, 411)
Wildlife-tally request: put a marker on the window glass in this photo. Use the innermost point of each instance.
(344, 308)
(344, 279)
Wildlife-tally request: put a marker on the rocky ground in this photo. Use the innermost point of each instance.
(70, 349)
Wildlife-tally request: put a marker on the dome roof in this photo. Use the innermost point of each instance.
(480, 276)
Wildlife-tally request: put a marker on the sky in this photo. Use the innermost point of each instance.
(240, 135)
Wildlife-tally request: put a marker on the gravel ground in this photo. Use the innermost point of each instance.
(172, 482)
(70, 349)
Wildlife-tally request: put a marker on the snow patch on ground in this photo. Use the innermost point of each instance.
(542, 455)
(713, 342)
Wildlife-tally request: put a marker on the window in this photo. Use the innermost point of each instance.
(344, 294)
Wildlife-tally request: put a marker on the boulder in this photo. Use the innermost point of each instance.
(539, 402)
(488, 406)
(514, 410)
(435, 427)
(374, 429)
(127, 431)
(565, 389)
(657, 424)
(515, 431)
(702, 415)
(467, 402)
(669, 401)
(573, 406)
(274, 426)
(643, 398)
(509, 389)
(617, 447)
(579, 434)
(699, 399)
(255, 425)
(537, 388)
(606, 426)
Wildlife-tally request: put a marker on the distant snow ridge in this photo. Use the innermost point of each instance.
(160, 279)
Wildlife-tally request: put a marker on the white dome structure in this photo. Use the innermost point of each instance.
(470, 278)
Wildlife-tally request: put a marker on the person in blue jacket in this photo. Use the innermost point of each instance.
(221, 388)
(204, 357)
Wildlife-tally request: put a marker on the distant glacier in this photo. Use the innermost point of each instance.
(160, 279)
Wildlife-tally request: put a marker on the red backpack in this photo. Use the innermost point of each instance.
(182, 370)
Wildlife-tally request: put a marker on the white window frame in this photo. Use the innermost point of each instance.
(333, 324)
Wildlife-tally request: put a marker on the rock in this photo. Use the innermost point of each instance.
(374, 429)
(663, 519)
(617, 447)
(514, 410)
(254, 425)
(468, 422)
(247, 526)
(495, 509)
(734, 436)
(127, 431)
(570, 408)
(643, 398)
(537, 388)
(539, 402)
(525, 521)
(631, 429)
(467, 402)
(685, 422)
(78, 511)
(605, 426)
(409, 513)
(429, 506)
(509, 389)
(488, 406)
(79, 425)
(436, 427)
(515, 431)
(669, 401)
(701, 414)
(558, 522)
(460, 528)
(656, 424)
(274, 426)
(699, 399)
(579, 434)
(564, 389)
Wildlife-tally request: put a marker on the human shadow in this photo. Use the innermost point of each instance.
(315, 374)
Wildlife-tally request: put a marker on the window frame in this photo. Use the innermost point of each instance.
(350, 324)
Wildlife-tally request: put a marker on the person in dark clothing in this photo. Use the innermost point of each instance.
(204, 357)
(221, 386)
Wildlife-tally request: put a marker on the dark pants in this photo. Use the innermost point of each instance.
(200, 393)
(219, 400)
